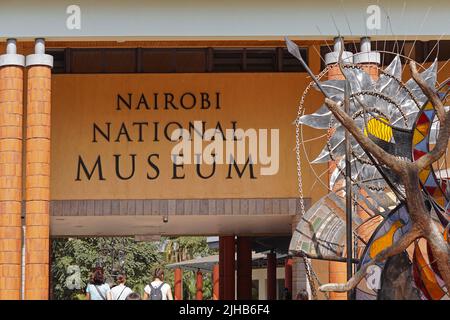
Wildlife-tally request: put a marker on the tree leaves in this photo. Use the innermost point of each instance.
(139, 260)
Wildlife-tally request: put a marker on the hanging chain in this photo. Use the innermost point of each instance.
(310, 279)
(308, 269)
(300, 112)
(310, 274)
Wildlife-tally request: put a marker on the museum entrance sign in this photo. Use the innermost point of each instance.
(121, 136)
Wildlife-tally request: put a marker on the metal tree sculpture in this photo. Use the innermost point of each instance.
(396, 111)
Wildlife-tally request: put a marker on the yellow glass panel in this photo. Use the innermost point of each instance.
(379, 128)
(417, 137)
(385, 240)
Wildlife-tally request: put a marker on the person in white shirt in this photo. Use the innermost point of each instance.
(158, 289)
(121, 291)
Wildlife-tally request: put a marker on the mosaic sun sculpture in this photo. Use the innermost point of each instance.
(397, 117)
(391, 108)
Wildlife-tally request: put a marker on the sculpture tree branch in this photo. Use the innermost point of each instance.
(403, 243)
(385, 158)
(422, 225)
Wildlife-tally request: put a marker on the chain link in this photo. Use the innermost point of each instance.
(310, 274)
(310, 280)
(308, 268)
(300, 112)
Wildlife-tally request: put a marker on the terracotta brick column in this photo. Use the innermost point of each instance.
(199, 286)
(11, 114)
(178, 283)
(37, 181)
(337, 270)
(369, 61)
(288, 275)
(216, 279)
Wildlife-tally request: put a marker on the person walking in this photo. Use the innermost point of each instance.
(133, 296)
(97, 289)
(121, 291)
(158, 289)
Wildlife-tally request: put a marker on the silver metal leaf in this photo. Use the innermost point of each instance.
(319, 119)
(359, 80)
(395, 68)
(385, 84)
(333, 88)
(337, 175)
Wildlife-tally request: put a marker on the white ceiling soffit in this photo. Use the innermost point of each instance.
(232, 19)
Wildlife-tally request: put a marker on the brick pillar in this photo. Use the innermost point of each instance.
(369, 62)
(178, 284)
(244, 268)
(216, 279)
(288, 275)
(37, 181)
(337, 274)
(271, 276)
(227, 264)
(371, 69)
(199, 286)
(11, 114)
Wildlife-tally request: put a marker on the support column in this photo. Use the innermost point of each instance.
(199, 286)
(337, 270)
(37, 181)
(221, 267)
(368, 60)
(215, 278)
(11, 115)
(244, 268)
(271, 276)
(227, 264)
(178, 284)
(288, 275)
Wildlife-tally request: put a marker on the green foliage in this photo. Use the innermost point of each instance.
(136, 259)
(190, 282)
(186, 248)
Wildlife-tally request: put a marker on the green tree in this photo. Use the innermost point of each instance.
(135, 259)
